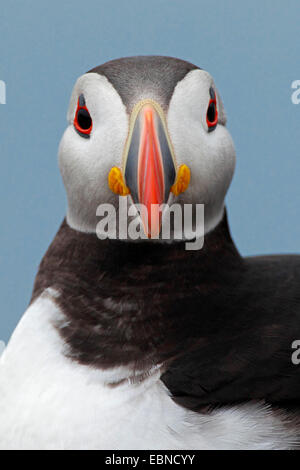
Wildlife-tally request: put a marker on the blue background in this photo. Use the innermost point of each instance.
(251, 49)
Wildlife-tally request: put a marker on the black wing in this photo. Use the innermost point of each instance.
(246, 332)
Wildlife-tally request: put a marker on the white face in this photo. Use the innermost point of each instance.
(209, 155)
(85, 162)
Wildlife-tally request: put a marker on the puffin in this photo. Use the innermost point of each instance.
(141, 343)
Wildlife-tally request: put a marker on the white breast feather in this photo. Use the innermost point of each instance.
(49, 402)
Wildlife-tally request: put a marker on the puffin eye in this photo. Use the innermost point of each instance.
(83, 122)
(212, 112)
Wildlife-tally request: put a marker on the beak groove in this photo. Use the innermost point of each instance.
(149, 164)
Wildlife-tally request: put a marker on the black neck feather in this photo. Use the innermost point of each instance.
(142, 303)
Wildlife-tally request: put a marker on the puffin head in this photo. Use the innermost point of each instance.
(150, 129)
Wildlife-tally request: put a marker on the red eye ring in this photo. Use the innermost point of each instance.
(83, 122)
(212, 121)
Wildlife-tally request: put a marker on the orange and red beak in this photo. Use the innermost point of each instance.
(149, 164)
